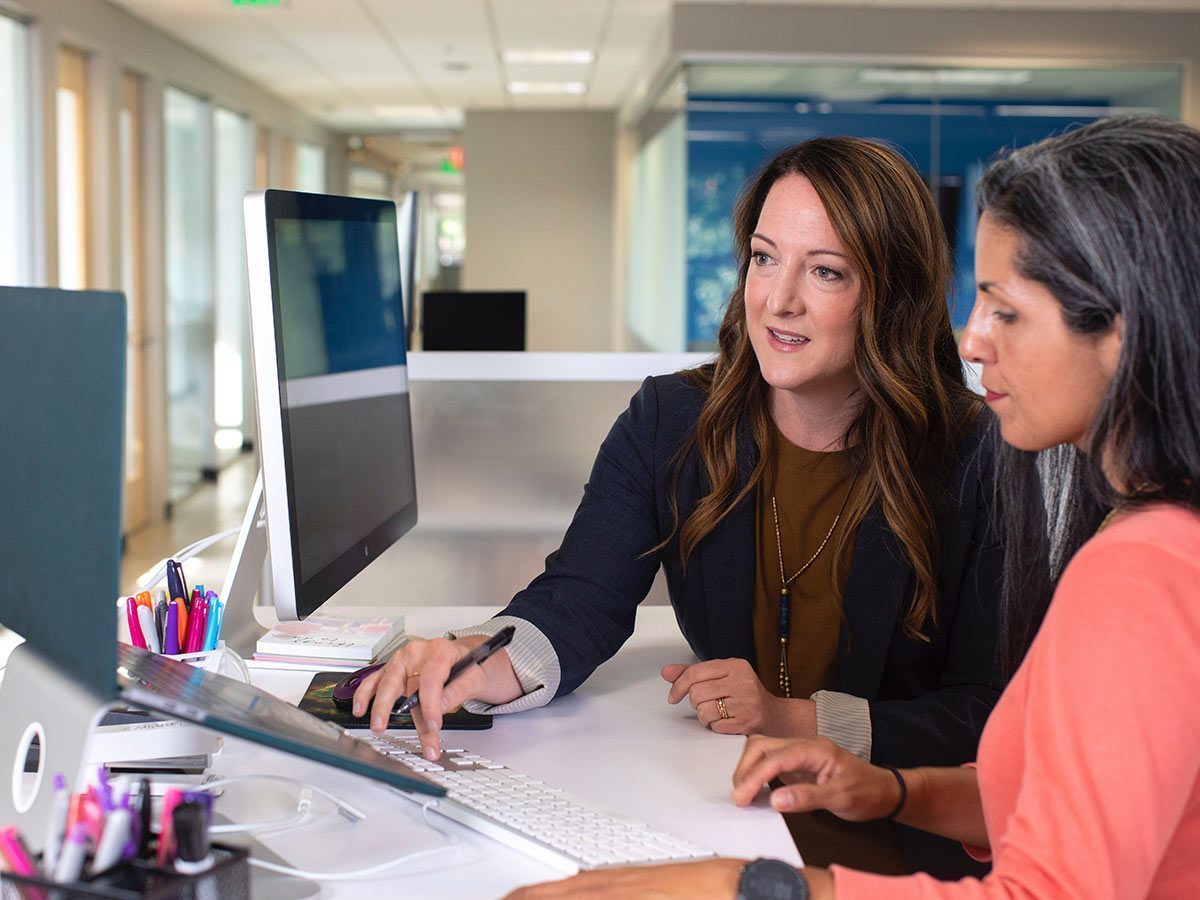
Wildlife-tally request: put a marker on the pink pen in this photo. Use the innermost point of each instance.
(14, 853)
(135, 628)
(166, 831)
(196, 624)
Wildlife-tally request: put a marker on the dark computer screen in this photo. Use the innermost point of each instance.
(473, 320)
(339, 350)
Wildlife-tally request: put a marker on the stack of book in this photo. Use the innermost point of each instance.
(329, 642)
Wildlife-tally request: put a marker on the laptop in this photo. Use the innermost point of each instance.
(62, 367)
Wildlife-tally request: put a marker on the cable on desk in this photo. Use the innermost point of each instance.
(451, 842)
(346, 810)
(183, 555)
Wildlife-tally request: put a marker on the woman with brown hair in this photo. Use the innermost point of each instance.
(817, 496)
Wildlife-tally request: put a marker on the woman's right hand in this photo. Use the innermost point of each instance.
(817, 774)
(425, 665)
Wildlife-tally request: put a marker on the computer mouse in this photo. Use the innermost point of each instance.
(343, 691)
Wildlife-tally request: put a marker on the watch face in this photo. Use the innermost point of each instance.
(770, 879)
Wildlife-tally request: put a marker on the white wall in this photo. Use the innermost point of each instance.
(540, 208)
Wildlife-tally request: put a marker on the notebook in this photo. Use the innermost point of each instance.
(333, 636)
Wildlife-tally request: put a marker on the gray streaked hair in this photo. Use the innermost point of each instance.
(1109, 221)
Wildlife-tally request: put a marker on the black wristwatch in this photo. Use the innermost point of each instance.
(771, 879)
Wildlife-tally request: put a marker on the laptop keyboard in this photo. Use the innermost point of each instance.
(532, 817)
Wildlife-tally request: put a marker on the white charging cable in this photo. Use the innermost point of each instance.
(346, 810)
(148, 581)
(452, 841)
(303, 808)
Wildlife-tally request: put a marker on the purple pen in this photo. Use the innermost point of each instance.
(104, 791)
(171, 638)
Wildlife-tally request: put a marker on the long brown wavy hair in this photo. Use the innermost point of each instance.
(914, 404)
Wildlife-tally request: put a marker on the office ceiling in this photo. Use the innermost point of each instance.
(386, 65)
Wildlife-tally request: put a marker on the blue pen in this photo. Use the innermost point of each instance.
(214, 613)
(174, 588)
(177, 584)
(187, 594)
(220, 618)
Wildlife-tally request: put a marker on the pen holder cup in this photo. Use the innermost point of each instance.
(223, 661)
(136, 879)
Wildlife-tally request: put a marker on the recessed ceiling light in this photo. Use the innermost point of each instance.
(546, 87)
(549, 57)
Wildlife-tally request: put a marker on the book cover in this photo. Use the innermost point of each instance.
(333, 636)
(318, 700)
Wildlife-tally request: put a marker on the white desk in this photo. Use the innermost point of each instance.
(615, 741)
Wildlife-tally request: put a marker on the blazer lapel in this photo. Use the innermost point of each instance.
(879, 578)
(727, 556)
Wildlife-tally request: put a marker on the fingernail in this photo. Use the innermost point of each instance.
(377, 724)
(781, 800)
(431, 753)
(445, 705)
(357, 710)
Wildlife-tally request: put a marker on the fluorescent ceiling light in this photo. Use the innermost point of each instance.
(1067, 112)
(549, 57)
(969, 77)
(547, 87)
(416, 113)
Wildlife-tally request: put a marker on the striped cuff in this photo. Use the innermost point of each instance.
(845, 720)
(533, 659)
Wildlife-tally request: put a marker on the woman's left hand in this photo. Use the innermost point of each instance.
(710, 879)
(731, 685)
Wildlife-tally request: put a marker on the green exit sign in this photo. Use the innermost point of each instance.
(256, 2)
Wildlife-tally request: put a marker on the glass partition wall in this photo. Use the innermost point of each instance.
(234, 157)
(188, 209)
(131, 137)
(719, 122)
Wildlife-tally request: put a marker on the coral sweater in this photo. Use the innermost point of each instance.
(1089, 768)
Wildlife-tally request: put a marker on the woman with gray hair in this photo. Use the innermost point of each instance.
(1087, 327)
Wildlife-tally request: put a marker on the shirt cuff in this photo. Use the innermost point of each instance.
(845, 720)
(533, 660)
(979, 854)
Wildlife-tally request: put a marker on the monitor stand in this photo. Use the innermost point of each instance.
(246, 579)
(40, 701)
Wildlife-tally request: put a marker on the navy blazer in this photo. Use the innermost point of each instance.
(928, 699)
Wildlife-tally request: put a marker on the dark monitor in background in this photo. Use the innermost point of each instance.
(327, 286)
(473, 320)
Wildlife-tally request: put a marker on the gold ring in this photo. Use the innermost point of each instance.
(721, 708)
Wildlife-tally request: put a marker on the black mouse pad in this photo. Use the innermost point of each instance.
(318, 700)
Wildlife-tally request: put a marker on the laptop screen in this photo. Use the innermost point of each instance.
(223, 704)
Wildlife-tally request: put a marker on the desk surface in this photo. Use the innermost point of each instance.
(615, 742)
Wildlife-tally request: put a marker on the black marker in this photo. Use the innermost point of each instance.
(478, 655)
(141, 806)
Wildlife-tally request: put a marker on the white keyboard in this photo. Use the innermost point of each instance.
(532, 817)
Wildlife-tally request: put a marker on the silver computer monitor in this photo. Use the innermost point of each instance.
(327, 304)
